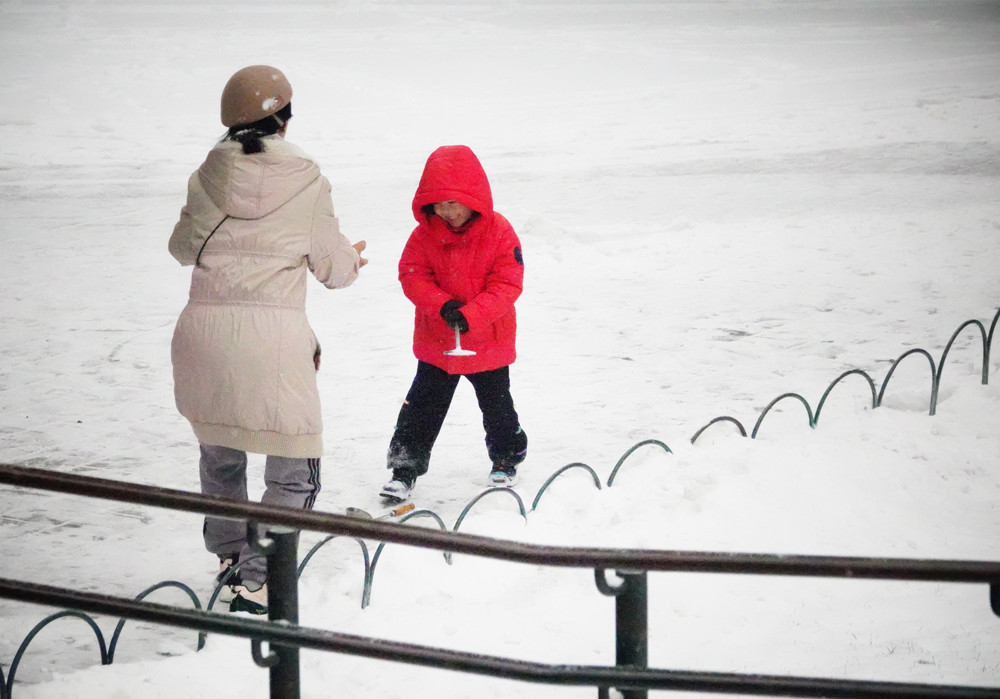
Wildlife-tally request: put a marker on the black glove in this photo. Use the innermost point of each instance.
(453, 317)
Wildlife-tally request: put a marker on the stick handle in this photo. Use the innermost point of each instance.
(402, 510)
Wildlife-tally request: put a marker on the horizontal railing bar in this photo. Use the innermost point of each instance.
(612, 559)
(492, 666)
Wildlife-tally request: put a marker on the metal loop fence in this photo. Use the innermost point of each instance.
(630, 564)
(630, 675)
(936, 372)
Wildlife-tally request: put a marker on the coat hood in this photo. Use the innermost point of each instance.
(252, 186)
(453, 173)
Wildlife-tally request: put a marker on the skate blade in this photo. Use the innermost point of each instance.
(393, 499)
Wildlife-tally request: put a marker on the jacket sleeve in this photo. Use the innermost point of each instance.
(199, 217)
(416, 274)
(332, 258)
(504, 282)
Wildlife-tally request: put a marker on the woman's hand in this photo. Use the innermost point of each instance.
(360, 247)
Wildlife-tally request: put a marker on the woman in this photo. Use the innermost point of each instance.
(258, 215)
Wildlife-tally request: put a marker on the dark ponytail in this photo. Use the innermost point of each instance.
(250, 135)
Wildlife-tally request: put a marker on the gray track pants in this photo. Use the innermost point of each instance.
(290, 483)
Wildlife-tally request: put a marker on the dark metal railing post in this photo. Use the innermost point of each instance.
(283, 604)
(631, 624)
(280, 545)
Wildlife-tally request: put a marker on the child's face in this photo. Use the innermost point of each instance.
(453, 213)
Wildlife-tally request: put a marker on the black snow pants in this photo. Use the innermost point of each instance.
(427, 402)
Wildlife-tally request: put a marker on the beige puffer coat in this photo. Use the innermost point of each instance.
(243, 349)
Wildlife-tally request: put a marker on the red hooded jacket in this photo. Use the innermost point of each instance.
(481, 266)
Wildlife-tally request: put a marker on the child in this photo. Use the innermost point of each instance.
(462, 269)
(258, 217)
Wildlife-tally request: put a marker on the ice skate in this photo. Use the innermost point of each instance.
(227, 564)
(503, 476)
(398, 490)
(249, 600)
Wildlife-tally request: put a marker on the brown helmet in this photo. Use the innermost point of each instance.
(253, 93)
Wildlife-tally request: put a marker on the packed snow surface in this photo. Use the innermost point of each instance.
(719, 203)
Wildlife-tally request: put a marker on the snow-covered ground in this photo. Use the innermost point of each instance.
(719, 202)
